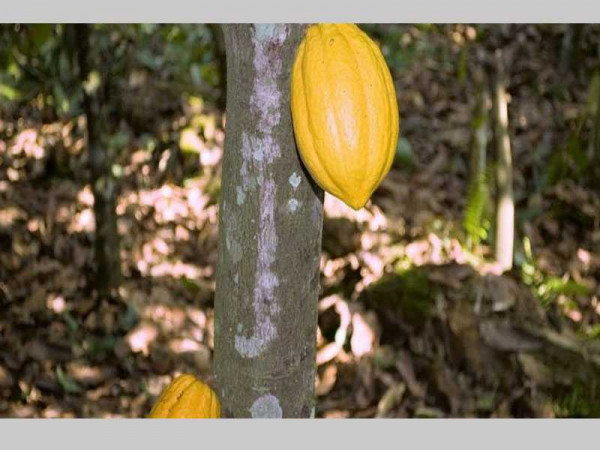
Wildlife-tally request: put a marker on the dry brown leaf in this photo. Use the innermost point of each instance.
(326, 381)
(392, 397)
(6, 379)
(327, 353)
(406, 370)
(141, 337)
(364, 335)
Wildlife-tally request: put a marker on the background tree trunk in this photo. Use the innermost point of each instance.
(270, 225)
(104, 187)
(596, 132)
(570, 51)
(221, 58)
(505, 207)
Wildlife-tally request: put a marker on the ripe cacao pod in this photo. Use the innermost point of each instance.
(186, 397)
(344, 111)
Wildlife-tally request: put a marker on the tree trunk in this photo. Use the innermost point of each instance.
(596, 131)
(570, 52)
(505, 208)
(104, 187)
(271, 217)
(217, 33)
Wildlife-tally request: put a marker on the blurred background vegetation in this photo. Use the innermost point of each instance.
(416, 319)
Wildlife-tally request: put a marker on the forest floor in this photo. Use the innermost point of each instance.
(414, 319)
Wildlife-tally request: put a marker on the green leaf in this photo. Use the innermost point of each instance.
(96, 346)
(557, 286)
(68, 384)
(117, 171)
(592, 98)
(119, 140)
(40, 34)
(130, 318)
(478, 201)
(405, 156)
(63, 103)
(70, 321)
(189, 141)
(9, 92)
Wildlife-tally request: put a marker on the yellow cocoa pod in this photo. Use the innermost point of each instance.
(344, 111)
(186, 397)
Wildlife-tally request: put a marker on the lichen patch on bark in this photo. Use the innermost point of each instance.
(293, 205)
(295, 180)
(266, 407)
(259, 151)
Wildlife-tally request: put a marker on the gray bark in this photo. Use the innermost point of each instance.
(271, 216)
(104, 186)
(505, 208)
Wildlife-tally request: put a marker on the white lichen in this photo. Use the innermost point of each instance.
(258, 155)
(295, 180)
(265, 31)
(266, 407)
(293, 204)
(258, 152)
(236, 251)
(241, 195)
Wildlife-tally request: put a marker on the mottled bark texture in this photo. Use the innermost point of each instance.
(270, 225)
(104, 186)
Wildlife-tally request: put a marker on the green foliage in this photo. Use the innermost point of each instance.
(129, 318)
(571, 161)
(568, 161)
(558, 286)
(462, 64)
(402, 45)
(68, 384)
(408, 291)
(547, 288)
(39, 59)
(9, 92)
(185, 53)
(477, 216)
(98, 347)
(405, 156)
(580, 400)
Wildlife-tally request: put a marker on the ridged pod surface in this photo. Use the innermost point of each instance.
(186, 397)
(344, 111)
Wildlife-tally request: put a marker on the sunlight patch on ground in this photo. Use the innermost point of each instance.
(11, 214)
(371, 215)
(85, 196)
(83, 222)
(26, 144)
(141, 337)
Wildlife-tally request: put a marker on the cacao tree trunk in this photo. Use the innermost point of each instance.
(271, 216)
(505, 207)
(104, 186)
